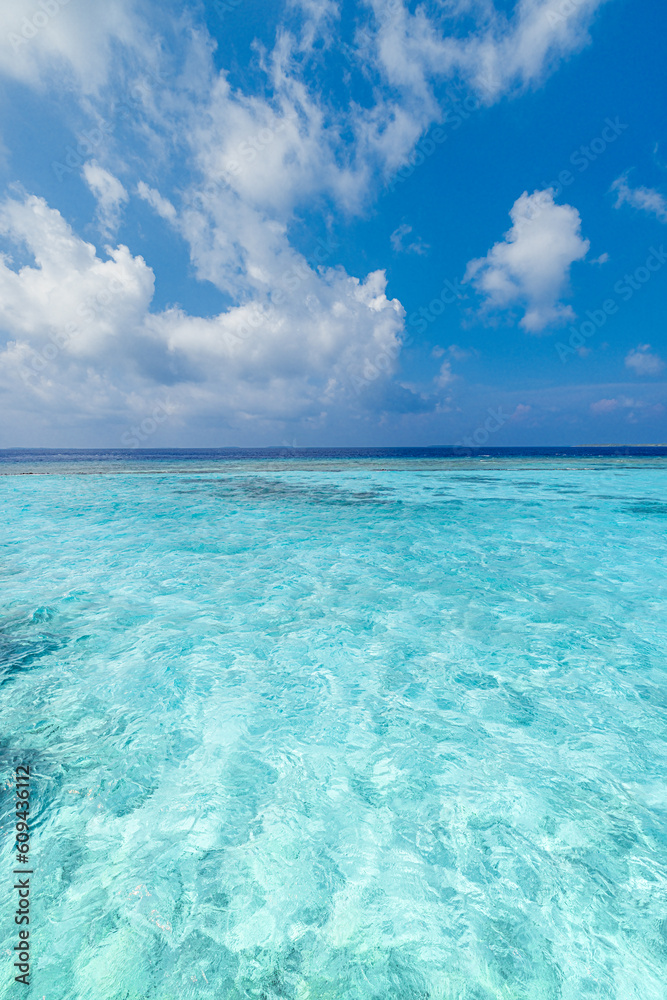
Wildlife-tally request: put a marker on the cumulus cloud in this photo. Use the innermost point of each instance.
(299, 327)
(643, 362)
(79, 336)
(643, 198)
(70, 292)
(110, 194)
(530, 268)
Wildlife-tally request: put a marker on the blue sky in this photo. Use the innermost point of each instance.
(333, 223)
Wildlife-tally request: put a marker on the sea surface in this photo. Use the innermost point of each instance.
(337, 725)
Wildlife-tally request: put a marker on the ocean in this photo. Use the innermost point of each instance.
(344, 724)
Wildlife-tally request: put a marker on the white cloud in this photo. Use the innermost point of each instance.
(272, 157)
(414, 56)
(445, 376)
(454, 351)
(66, 39)
(643, 198)
(518, 51)
(162, 206)
(639, 409)
(277, 153)
(530, 267)
(460, 353)
(602, 406)
(298, 328)
(522, 412)
(643, 362)
(80, 338)
(110, 194)
(71, 291)
(319, 19)
(499, 53)
(397, 240)
(408, 53)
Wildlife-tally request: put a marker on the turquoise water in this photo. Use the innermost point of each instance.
(339, 730)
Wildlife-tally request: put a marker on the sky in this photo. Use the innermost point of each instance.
(321, 223)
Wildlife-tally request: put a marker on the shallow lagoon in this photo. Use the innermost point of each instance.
(339, 726)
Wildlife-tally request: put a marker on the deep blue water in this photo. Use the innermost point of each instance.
(140, 456)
